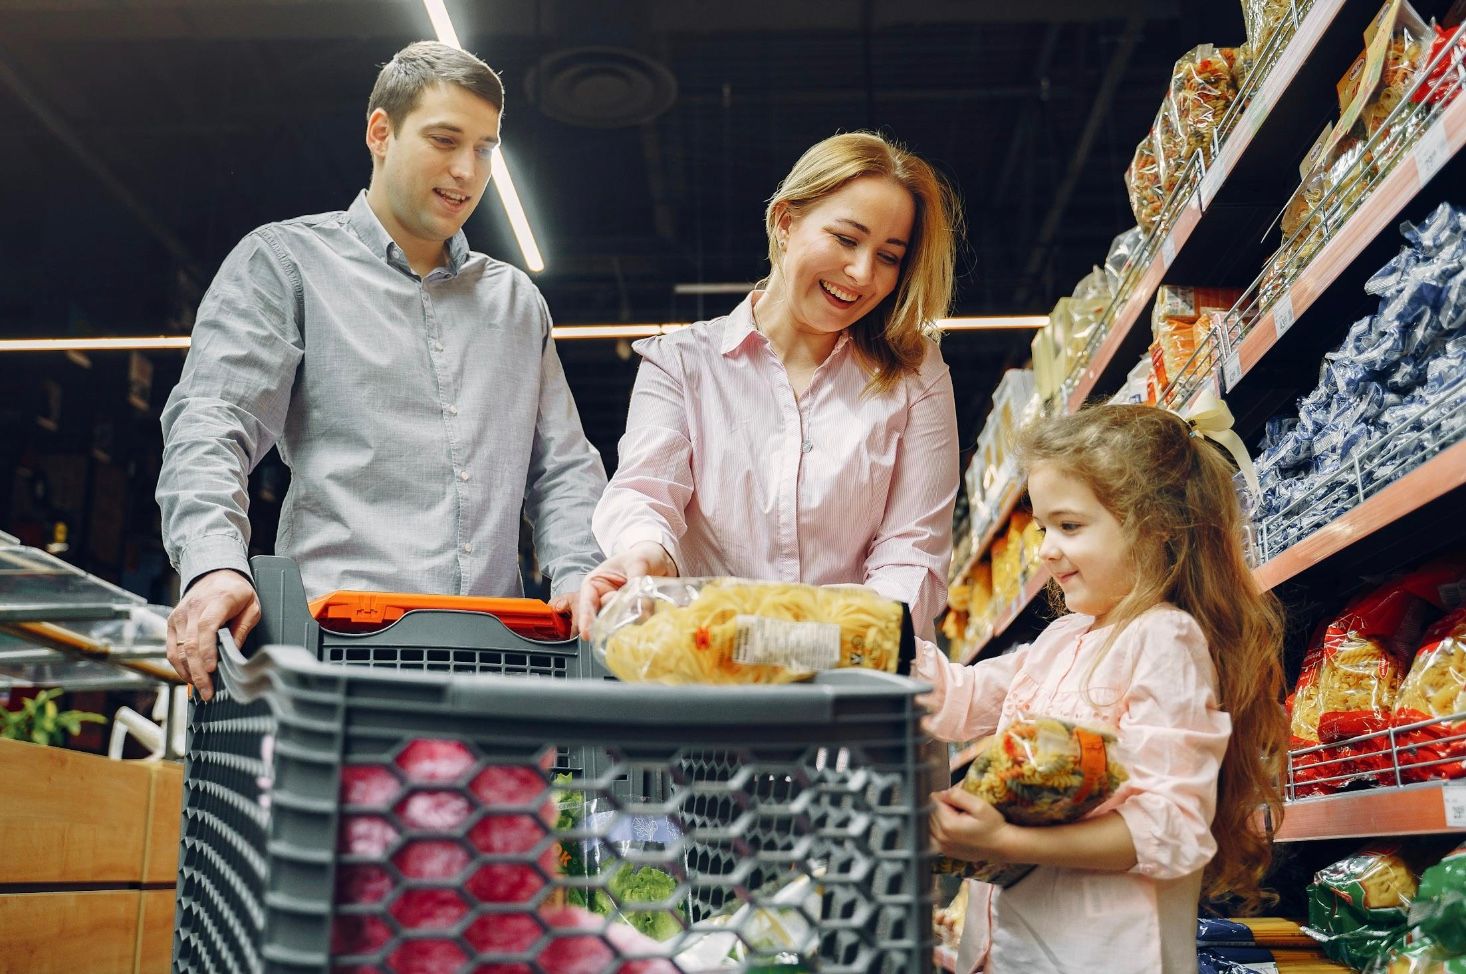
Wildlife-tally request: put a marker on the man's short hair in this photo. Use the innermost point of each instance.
(423, 64)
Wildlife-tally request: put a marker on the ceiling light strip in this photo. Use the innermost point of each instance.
(502, 181)
(141, 343)
(559, 332)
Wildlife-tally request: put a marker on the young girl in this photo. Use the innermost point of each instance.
(1170, 644)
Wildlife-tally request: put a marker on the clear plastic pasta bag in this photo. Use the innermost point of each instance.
(1435, 687)
(735, 631)
(1358, 907)
(1039, 771)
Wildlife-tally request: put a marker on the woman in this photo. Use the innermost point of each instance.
(810, 435)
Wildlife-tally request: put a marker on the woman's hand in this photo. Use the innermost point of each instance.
(965, 827)
(641, 559)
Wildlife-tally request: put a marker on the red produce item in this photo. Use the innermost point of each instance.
(435, 760)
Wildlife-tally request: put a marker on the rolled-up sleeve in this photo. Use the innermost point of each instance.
(1173, 736)
(910, 554)
(966, 701)
(647, 498)
(565, 479)
(229, 407)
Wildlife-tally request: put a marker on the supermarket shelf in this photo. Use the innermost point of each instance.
(1430, 481)
(1034, 585)
(1382, 207)
(1223, 212)
(1004, 510)
(1436, 806)
(1135, 304)
(944, 959)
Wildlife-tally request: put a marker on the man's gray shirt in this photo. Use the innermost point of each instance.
(417, 416)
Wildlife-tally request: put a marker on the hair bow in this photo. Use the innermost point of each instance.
(1210, 417)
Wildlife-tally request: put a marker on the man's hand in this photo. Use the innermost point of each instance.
(218, 598)
(645, 558)
(965, 827)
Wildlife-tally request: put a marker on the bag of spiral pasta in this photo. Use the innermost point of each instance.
(732, 631)
(1038, 771)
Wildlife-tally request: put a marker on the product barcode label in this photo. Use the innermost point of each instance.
(1431, 152)
(1283, 313)
(803, 646)
(1231, 370)
(1168, 251)
(1453, 796)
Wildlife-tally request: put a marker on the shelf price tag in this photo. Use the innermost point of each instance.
(1283, 313)
(1231, 370)
(1168, 251)
(1431, 152)
(1453, 796)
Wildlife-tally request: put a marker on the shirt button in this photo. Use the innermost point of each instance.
(452, 410)
(437, 346)
(463, 475)
(468, 549)
(806, 446)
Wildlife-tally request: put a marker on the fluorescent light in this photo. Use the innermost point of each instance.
(503, 183)
(517, 220)
(442, 23)
(993, 323)
(717, 287)
(92, 344)
(561, 332)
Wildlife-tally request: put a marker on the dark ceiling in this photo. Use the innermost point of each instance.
(145, 137)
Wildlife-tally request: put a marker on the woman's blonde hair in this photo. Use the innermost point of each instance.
(1173, 494)
(889, 339)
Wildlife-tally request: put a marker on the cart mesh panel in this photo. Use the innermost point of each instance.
(417, 822)
(222, 863)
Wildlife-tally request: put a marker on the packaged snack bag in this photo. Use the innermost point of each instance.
(724, 630)
(1358, 907)
(1143, 185)
(1434, 687)
(1039, 771)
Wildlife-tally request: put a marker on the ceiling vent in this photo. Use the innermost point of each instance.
(601, 87)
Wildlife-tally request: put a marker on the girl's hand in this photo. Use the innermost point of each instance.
(965, 827)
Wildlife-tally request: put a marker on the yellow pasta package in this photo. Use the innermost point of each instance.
(1039, 771)
(732, 631)
(1434, 688)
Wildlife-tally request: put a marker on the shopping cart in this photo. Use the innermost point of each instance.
(411, 800)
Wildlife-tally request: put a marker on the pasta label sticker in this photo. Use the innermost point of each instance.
(804, 646)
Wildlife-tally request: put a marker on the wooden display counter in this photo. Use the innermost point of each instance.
(90, 862)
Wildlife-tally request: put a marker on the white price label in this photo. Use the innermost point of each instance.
(1168, 251)
(1231, 370)
(1453, 796)
(1283, 313)
(1431, 152)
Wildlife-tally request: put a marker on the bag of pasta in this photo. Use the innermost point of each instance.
(1143, 185)
(1358, 907)
(1435, 687)
(1038, 771)
(731, 631)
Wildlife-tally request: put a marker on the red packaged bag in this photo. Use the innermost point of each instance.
(1355, 671)
(1434, 688)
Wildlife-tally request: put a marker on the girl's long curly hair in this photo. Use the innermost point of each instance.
(1172, 492)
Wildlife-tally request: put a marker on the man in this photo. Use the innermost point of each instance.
(410, 384)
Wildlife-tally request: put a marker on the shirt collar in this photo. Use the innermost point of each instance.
(741, 325)
(371, 232)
